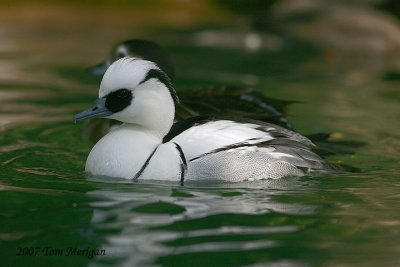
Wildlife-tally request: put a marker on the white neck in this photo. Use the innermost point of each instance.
(160, 108)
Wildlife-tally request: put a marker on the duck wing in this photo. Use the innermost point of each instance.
(201, 136)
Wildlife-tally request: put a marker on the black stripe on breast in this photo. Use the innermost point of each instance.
(183, 162)
(140, 172)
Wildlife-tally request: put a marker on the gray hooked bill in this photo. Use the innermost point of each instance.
(99, 110)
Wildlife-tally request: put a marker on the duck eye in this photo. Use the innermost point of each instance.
(118, 100)
(123, 93)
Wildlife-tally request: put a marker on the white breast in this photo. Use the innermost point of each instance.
(121, 153)
(127, 151)
(164, 165)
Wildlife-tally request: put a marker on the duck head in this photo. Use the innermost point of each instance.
(135, 91)
(138, 48)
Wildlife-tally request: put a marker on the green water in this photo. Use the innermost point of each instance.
(49, 206)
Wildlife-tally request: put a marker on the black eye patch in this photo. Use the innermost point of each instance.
(118, 100)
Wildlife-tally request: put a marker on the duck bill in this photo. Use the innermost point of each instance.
(98, 69)
(99, 110)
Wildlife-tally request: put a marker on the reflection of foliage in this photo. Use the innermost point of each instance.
(159, 207)
(257, 10)
(391, 6)
(392, 76)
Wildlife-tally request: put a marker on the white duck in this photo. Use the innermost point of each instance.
(149, 146)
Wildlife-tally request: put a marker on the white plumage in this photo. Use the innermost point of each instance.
(137, 93)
